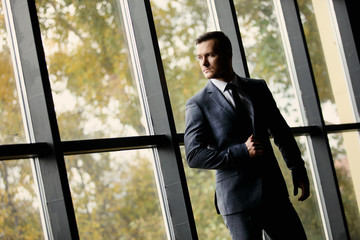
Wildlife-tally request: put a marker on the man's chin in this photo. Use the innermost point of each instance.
(208, 76)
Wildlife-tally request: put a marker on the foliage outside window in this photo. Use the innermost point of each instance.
(115, 196)
(94, 93)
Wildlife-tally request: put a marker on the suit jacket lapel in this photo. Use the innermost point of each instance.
(219, 99)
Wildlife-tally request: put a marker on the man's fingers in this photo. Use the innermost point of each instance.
(305, 195)
(254, 147)
(305, 191)
(295, 190)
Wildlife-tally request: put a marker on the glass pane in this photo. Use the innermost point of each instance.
(309, 210)
(93, 88)
(330, 76)
(19, 205)
(345, 148)
(265, 54)
(11, 127)
(115, 196)
(178, 23)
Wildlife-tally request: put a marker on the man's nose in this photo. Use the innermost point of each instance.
(204, 62)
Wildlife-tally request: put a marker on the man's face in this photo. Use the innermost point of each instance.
(213, 62)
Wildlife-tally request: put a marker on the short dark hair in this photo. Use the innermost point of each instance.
(224, 41)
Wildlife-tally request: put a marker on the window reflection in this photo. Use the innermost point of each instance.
(115, 195)
(94, 92)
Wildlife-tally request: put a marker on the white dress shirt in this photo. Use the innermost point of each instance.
(221, 85)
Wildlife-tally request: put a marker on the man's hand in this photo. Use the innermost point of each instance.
(300, 180)
(305, 190)
(254, 147)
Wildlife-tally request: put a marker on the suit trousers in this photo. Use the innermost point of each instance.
(278, 220)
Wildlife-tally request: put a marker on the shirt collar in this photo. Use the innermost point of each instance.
(221, 85)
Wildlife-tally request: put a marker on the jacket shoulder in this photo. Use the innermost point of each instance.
(201, 95)
(252, 81)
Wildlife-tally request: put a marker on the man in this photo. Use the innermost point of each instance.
(227, 129)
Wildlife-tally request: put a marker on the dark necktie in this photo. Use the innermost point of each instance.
(239, 104)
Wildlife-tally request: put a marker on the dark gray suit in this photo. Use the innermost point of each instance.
(214, 139)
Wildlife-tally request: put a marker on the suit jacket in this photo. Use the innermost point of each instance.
(214, 139)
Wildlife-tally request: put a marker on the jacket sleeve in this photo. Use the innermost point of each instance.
(281, 133)
(200, 151)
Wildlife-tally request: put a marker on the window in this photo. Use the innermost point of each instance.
(101, 87)
(93, 88)
(115, 195)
